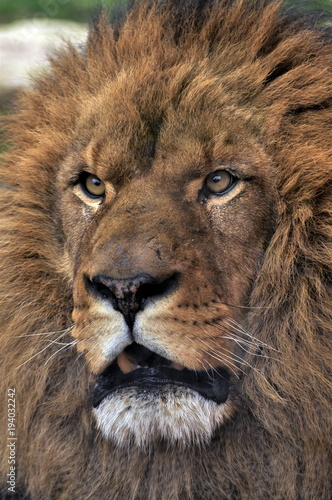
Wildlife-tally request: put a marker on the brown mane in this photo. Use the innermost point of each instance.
(279, 445)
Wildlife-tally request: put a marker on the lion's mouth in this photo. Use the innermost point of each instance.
(140, 367)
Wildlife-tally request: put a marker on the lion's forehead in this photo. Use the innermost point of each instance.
(143, 117)
(176, 152)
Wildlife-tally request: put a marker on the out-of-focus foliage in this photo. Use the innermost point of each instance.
(77, 10)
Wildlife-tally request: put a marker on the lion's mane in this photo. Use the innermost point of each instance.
(278, 444)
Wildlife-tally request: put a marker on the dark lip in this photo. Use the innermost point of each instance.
(213, 384)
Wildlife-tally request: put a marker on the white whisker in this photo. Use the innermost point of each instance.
(61, 348)
(42, 350)
(66, 330)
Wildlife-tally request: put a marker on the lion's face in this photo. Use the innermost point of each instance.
(166, 232)
(166, 260)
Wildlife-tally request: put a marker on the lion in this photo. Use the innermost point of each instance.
(166, 261)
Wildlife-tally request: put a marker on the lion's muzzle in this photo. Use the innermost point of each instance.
(140, 367)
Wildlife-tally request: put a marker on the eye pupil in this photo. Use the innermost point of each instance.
(92, 186)
(219, 182)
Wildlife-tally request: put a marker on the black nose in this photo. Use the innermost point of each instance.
(130, 295)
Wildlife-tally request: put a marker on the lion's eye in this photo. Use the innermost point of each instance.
(219, 182)
(92, 186)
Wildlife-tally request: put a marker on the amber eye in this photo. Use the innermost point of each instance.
(219, 182)
(92, 186)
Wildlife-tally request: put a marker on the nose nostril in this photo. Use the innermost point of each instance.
(130, 295)
(104, 291)
(154, 290)
(101, 290)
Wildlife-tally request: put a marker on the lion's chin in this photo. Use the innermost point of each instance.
(142, 399)
(175, 415)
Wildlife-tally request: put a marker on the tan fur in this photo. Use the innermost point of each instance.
(152, 109)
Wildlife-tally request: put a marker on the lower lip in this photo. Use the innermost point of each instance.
(212, 386)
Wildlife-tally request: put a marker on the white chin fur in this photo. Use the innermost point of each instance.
(176, 415)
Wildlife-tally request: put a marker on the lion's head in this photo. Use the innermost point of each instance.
(165, 259)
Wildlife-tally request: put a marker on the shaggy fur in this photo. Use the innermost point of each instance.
(275, 75)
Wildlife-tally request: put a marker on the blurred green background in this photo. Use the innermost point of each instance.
(76, 10)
